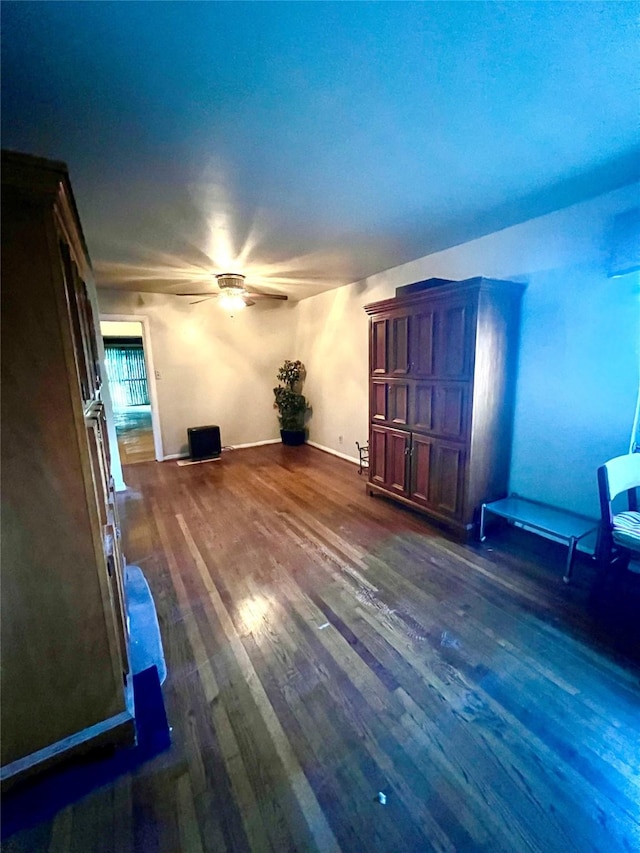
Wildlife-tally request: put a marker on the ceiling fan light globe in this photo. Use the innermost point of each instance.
(231, 301)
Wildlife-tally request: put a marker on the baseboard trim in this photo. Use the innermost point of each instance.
(253, 444)
(352, 459)
(187, 461)
(21, 765)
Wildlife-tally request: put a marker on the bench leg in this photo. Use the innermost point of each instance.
(482, 536)
(568, 570)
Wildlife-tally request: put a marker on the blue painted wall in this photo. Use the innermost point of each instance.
(577, 382)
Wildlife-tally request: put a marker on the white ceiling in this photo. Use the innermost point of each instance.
(309, 145)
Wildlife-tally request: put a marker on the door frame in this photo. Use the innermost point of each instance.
(151, 373)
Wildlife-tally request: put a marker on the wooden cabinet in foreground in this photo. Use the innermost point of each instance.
(64, 651)
(442, 359)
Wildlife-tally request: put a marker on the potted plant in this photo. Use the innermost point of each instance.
(290, 403)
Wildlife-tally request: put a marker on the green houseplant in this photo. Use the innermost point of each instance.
(292, 406)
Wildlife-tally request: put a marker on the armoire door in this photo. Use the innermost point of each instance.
(421, 469)
(447, 481)
(389, 458)
(389, 402)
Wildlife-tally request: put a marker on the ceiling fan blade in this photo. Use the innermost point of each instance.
(254, 295)
(249, 296)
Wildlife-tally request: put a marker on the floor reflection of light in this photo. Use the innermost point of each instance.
(253, 612)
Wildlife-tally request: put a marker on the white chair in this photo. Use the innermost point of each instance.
(619, 537)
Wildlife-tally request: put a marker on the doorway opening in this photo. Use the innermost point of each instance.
(130, 385)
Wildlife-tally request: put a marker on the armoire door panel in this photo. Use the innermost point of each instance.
(451, 410)
(399, 361)
(378, 401)
(448, 480)
(379, 329)
(388, 458)
(116, 592)
(102, 423)
(398, 396)
(397, 461)
(83, 306)
(75, 320)
(423, 406)
(378, 456)
(453, 357)
(92, 346)
(422, 340)
(421, 469)
(96, 459)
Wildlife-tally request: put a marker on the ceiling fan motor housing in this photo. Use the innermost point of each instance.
(230, 280)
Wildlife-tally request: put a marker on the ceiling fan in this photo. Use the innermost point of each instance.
(233, 294)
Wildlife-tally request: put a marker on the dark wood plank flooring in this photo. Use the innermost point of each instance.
(324, 646)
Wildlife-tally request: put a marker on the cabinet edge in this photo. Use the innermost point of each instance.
(119, 729)
(510, 289)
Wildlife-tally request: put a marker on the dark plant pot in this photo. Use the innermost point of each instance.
(293, 437)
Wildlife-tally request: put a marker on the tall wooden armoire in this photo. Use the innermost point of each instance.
(64, 652)
(443, 359)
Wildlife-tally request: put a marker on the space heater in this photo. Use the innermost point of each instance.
(204, 442)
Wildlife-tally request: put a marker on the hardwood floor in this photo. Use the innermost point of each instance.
(135, 435)
(324, 647)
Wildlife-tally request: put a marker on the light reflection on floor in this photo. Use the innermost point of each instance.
(135, 434)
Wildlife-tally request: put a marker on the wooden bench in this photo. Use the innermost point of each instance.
(577, 531)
